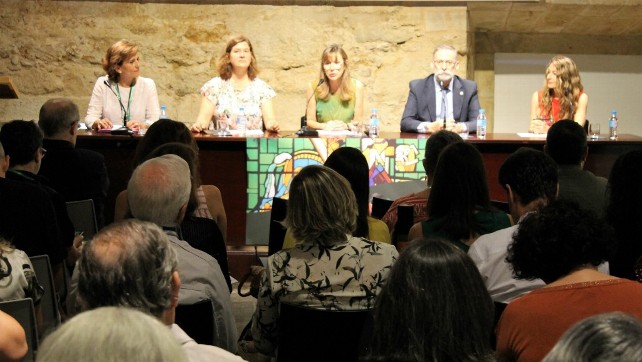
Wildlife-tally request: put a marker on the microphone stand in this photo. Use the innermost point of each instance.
(122, 130)
(304, 131)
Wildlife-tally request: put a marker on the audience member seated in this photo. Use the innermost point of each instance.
(22, 142)
(529, 178)
(206, 201)
(133, 264)
(112, 334)
(159, 191)
(606, 337)
(624, 213)
(562, 244)
(352, 164)
(434, 145)
(459, 208)
(13, 340)
(77, 174)
(434, 307)
(328, 268)
(566, 144)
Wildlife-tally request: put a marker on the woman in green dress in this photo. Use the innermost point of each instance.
(335, 101)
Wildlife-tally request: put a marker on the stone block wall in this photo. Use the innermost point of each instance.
(53, 49)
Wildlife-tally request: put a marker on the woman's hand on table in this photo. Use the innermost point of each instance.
(272, 126)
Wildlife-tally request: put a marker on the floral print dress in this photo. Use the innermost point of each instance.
(344, 276)
(229, 100)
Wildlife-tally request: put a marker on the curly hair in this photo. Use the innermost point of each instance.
(225, 67)
(558, 240)
(434, 307)
(568, 87)
(322, 207)
(346, 90)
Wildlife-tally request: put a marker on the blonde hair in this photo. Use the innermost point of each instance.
(322, 207)
(224, 65)
(116, 55)
(346, 89)
(568, 88)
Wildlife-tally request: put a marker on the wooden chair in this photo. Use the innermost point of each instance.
(379, 207)
(23, 311)
(277, 231)
(49, 302)
(311, 335)
(83, 215)
(197, 320)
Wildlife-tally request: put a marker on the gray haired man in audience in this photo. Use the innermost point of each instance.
(133, 264)
(158, 192)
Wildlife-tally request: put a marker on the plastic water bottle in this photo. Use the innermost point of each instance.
(613, 125)
(241, 121)
(163, 114)
(481, 124)
(373, 128)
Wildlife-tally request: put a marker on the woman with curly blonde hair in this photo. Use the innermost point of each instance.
(562, 96)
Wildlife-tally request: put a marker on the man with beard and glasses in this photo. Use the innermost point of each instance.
(442, 100)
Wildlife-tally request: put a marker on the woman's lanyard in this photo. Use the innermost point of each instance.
(131, 95)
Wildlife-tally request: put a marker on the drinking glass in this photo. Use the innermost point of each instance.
(463, 130)
(594, 130)
(222, 126)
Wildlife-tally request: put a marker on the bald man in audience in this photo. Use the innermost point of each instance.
(158, 191)
(566, 144)
(76, 173)
(133, 264)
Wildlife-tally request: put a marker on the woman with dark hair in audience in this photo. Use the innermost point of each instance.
(459, 207)
(623, 212)
(606, 337)
(209, 203)
(562, 245)
(350, 163)
(329, 268)
(434, 307)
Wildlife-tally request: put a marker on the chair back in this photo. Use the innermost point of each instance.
(379, 207)
(83, 215)
(204, 234)
(23, 311)
(277, 231)
(49, 301)
(197, 320)
(308, 334)
(405, 220)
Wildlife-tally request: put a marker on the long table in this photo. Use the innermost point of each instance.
(223, 162)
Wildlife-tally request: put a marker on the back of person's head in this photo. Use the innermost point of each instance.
(625, 197)
(21, 140)
(111, 334)
(434, 145)
(602, 338)
(434, 307)
(161, 132)
(322, 207)
(128, 264)
(158, 189)
(459, 189)
(350, 163)
(57, 115)
(566, 142)
(531, 175)
(558, 240)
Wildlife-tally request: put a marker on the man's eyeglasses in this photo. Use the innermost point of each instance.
(43, 151)
(449, 63)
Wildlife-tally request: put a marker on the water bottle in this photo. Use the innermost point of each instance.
(481, 124)
(613, 125)
(373, 128)
(163, 114)
(241, 121)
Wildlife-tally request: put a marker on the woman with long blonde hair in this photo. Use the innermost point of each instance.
(562, 96)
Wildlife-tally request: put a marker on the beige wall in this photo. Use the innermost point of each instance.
(53, 49)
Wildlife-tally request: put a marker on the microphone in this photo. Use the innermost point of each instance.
(304, 131)
(122, 130)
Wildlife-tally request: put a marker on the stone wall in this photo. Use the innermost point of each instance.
(53, 49)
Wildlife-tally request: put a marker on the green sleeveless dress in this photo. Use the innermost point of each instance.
(334, 109)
